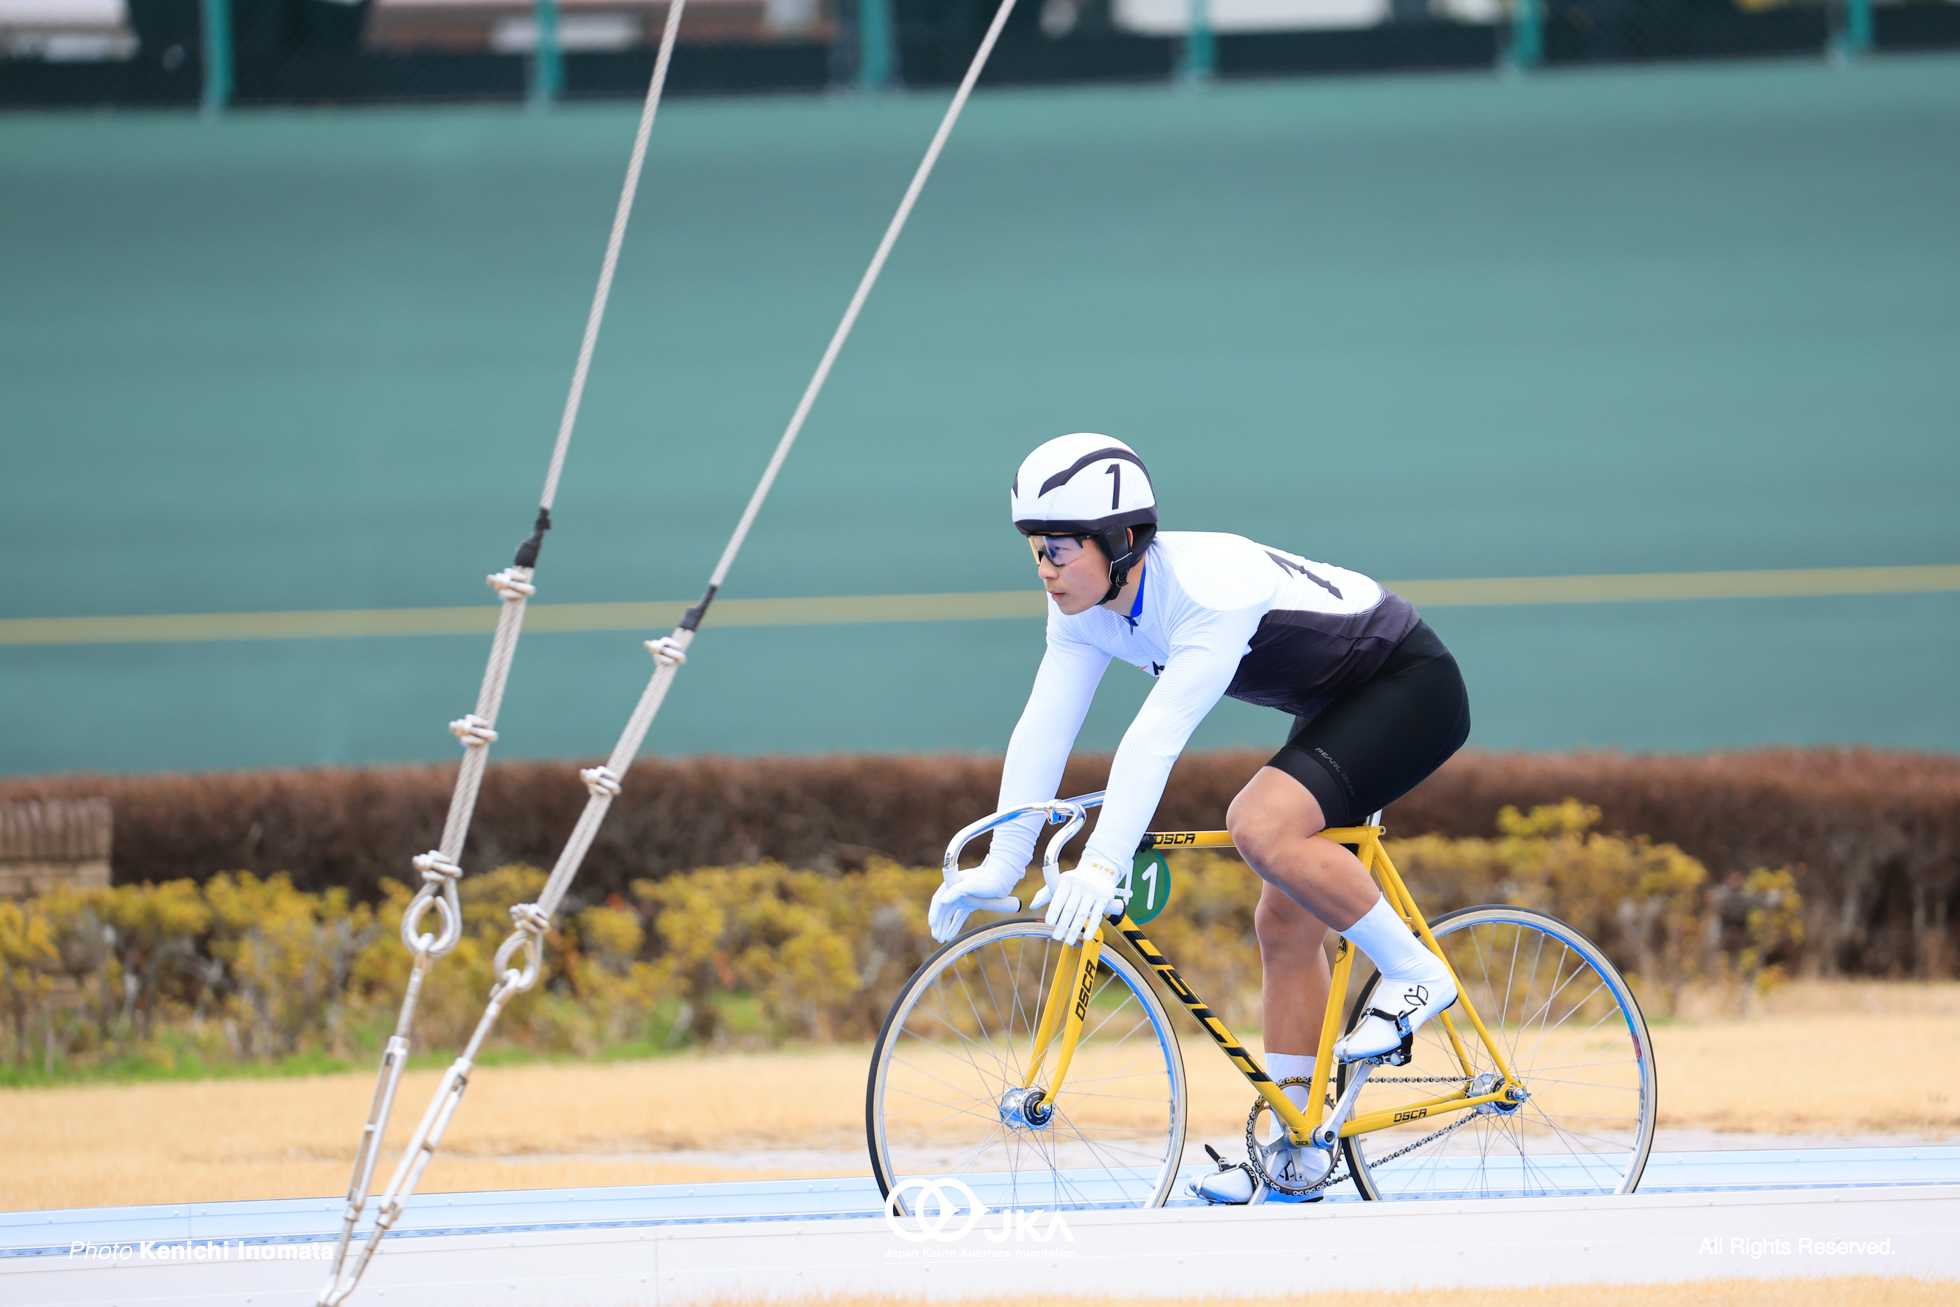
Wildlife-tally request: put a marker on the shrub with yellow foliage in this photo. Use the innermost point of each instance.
(243, 971)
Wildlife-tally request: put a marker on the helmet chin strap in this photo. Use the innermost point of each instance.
(1119, 568)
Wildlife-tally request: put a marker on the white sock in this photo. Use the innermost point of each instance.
(1392, 946)
(1285, 1066)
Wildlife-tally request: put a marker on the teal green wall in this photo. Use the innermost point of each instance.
(1621, 321)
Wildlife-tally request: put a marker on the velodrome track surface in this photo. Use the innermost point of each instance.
(1818, 1211)
(1591, 323)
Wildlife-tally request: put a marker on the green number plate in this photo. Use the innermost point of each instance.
(1150, 885)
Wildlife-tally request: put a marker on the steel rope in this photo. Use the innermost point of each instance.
(603, 782)
(441, 867)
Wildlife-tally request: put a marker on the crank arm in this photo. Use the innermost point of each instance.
(1328, 1131)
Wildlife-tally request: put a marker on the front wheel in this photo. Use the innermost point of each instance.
(1570, 1030)
(946, 1096)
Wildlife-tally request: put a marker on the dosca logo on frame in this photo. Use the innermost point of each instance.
(945, 1210)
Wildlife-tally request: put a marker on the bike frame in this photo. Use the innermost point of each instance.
(1068, 1000)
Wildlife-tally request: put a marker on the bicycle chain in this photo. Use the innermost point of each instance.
(1457, 1124)
(1339, 1176)
(1336, 1177)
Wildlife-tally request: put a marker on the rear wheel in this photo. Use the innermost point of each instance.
(1571, 1031)
(946, 1098)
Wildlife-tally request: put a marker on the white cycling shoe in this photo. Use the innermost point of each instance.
(1235, 1185)
(1400, 1007)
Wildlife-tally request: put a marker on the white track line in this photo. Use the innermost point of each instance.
(1268, 1250)
(779, 1238)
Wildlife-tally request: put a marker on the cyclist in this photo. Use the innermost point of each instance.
(1377, 702)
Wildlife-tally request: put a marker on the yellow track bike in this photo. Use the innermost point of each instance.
(1044, 1076)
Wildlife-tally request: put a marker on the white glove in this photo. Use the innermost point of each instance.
(1081, 899)
(955, 898)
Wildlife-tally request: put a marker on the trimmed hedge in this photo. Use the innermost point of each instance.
(179, 977)
(1874, 835)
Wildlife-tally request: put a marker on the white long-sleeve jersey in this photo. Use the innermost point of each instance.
(1220, 615)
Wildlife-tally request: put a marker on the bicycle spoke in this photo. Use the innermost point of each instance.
(1114, 1133)
(1570, 1036)
(995, 999)
(965, 1053)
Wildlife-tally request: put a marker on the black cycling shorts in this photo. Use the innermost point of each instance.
(1375, 743)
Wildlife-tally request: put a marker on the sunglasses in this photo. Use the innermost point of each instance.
(1059, 550)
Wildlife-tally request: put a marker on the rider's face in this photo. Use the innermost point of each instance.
(1078, 584)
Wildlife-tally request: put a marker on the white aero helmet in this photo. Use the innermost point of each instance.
(1088, 485)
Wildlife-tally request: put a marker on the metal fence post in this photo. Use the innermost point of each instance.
(874, 45)
(1200, 60)
(547, 60)
(215, 17)
(1856, 38)
(1527, 48)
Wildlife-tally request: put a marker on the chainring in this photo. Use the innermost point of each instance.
(1255, 1152)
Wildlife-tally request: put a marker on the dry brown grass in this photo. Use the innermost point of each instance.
(1783, 1070)
(1775, 1072)
(1850, 1291)
(226, 1139)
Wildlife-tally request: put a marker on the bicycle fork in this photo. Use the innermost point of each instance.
(1067, 1006)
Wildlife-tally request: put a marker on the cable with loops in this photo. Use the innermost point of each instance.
(604, 782)
(514, 586)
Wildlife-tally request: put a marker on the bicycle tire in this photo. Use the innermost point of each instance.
(1573, 1033)
(1117, 1132)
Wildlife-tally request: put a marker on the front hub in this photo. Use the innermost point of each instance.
(1024, 1109)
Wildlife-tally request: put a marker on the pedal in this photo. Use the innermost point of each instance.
(1400, 1056)
(1256, 1192)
